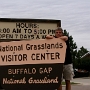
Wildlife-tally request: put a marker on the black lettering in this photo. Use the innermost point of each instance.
(32, 36)
(43, 56)
(47, 55)
(16, 35)
(48, 46)
(52, 56)
(44, 36)
(2, 36)
(17, 25)
(7, 36)
(37, 37)
(3, 49)
(22, 25)
(60, 45)
(29, 47)
(29, 31)
(37, 56)
(35, 31)
(26, 25)
(45, 46)
(20, 57)
(44, 31)
(23, 36)
(4, 30)
(3, 58)
(11, 48)
(16, 30)
(52, 46)
(42, 46)
(11, 58)
(57, 45)
(49, 31)
(35, 25)
(26, 36)
(25, 30)
(32, 56)
(14, 57)
(41, 31)
(53, 31)
(31, 25)
(24, 57)
(39, 47)
(8, 30)
(57, 55)
(35, 47)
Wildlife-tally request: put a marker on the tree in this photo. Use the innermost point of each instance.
(85, 63)
(81, 52)
(76, 54)
(73, 45)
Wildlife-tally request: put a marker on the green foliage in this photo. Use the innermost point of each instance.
(81, 52)
(73, 45)
(85, 64)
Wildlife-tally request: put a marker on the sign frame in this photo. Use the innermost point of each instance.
(58, 22)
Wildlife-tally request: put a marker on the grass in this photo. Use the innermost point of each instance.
(63, 83)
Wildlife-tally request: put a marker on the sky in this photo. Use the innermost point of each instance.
(74, 15)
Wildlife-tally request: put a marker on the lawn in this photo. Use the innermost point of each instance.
(63, 83)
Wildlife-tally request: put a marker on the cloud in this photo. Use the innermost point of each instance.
(74, 15)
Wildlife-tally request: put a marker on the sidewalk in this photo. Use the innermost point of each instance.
(79, 87)
(82, 81)
(84, 84)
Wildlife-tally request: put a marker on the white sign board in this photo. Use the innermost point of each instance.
(27, 29)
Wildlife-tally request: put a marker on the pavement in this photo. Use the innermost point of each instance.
(82, 81)
(84, 84)
(79, 87)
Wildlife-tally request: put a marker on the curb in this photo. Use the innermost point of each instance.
(76, 84)
(73, 85)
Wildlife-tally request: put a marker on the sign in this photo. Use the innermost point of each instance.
(27, 28)
(32, 64)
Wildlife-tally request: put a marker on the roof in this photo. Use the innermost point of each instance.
(86, 54)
